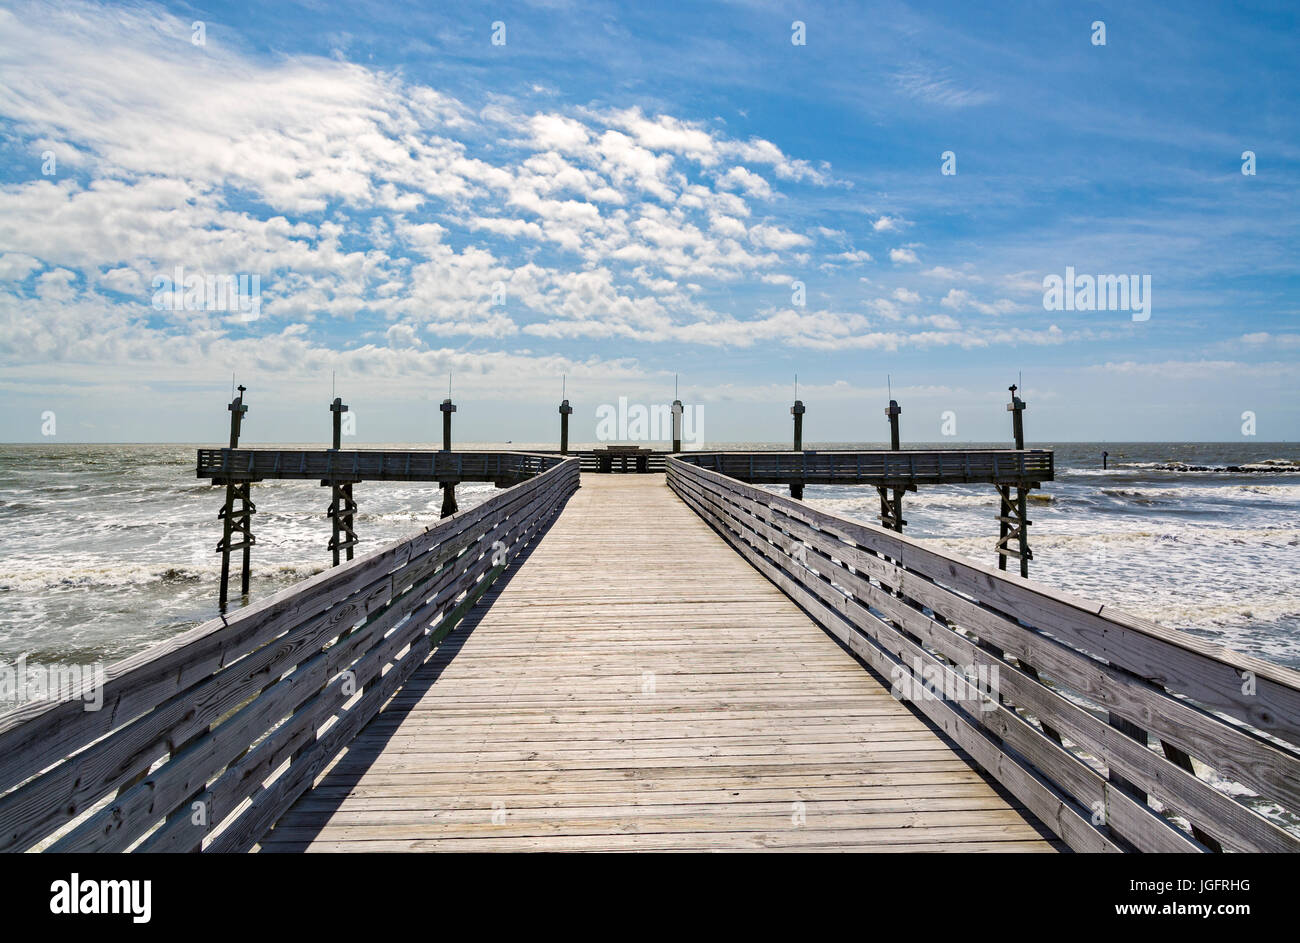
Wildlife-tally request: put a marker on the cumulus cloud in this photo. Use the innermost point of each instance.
(959, 300)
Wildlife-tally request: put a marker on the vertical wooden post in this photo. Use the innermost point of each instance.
(342, 507)
(448, 487)
(1017, 407)
(1013, 518)
(891, 509)
(338, 409)
(1004, 522)
(236, 519)
(797, 411)
(565, 412)
(1022, 515)
(677, 425)
(226, 514)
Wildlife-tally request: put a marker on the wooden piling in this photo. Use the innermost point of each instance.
(797, 411)
(1013, 516)
(891, 507)
(448, 487)
(236, 519)
(342, 507)
(565, 412)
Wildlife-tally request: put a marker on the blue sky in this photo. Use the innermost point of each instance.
(622, 193)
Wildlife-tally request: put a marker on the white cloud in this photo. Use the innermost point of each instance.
(950, 274)
(15, 266)
(774, 237)
(959, 300)
(935, 89)
(751, 183)
(1265, 339)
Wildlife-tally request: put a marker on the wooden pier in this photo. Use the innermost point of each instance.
(680, 660)
(597, 700)
(891, 472)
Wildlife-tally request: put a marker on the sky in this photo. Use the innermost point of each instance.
(614, 198)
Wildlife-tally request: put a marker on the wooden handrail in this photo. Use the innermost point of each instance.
(189, 730)
(904, 606)
(918, 466)
(370, 465)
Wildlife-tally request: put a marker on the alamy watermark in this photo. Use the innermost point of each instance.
(962, 684)
(654, 423)
(78, 895)
(22, 684)
(1098, 293)
(235, 293)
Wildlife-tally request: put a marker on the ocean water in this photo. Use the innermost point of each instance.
(107, 549)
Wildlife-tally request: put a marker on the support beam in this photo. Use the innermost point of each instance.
(1013, 517)
(237, 534)
(891, 508)
(236, 520)
(1013, 528)
(341, 511)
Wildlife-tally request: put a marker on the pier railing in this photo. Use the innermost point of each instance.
(369, 465)
(203, 741)
(907, 467)
(1107, 727)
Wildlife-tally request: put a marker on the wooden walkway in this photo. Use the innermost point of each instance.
(636, 685)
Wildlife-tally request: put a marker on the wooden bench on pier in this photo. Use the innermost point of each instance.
(638, 457)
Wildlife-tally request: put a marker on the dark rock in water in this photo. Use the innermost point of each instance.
(1273, 465)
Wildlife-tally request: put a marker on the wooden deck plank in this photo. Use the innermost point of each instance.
(636, 685)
